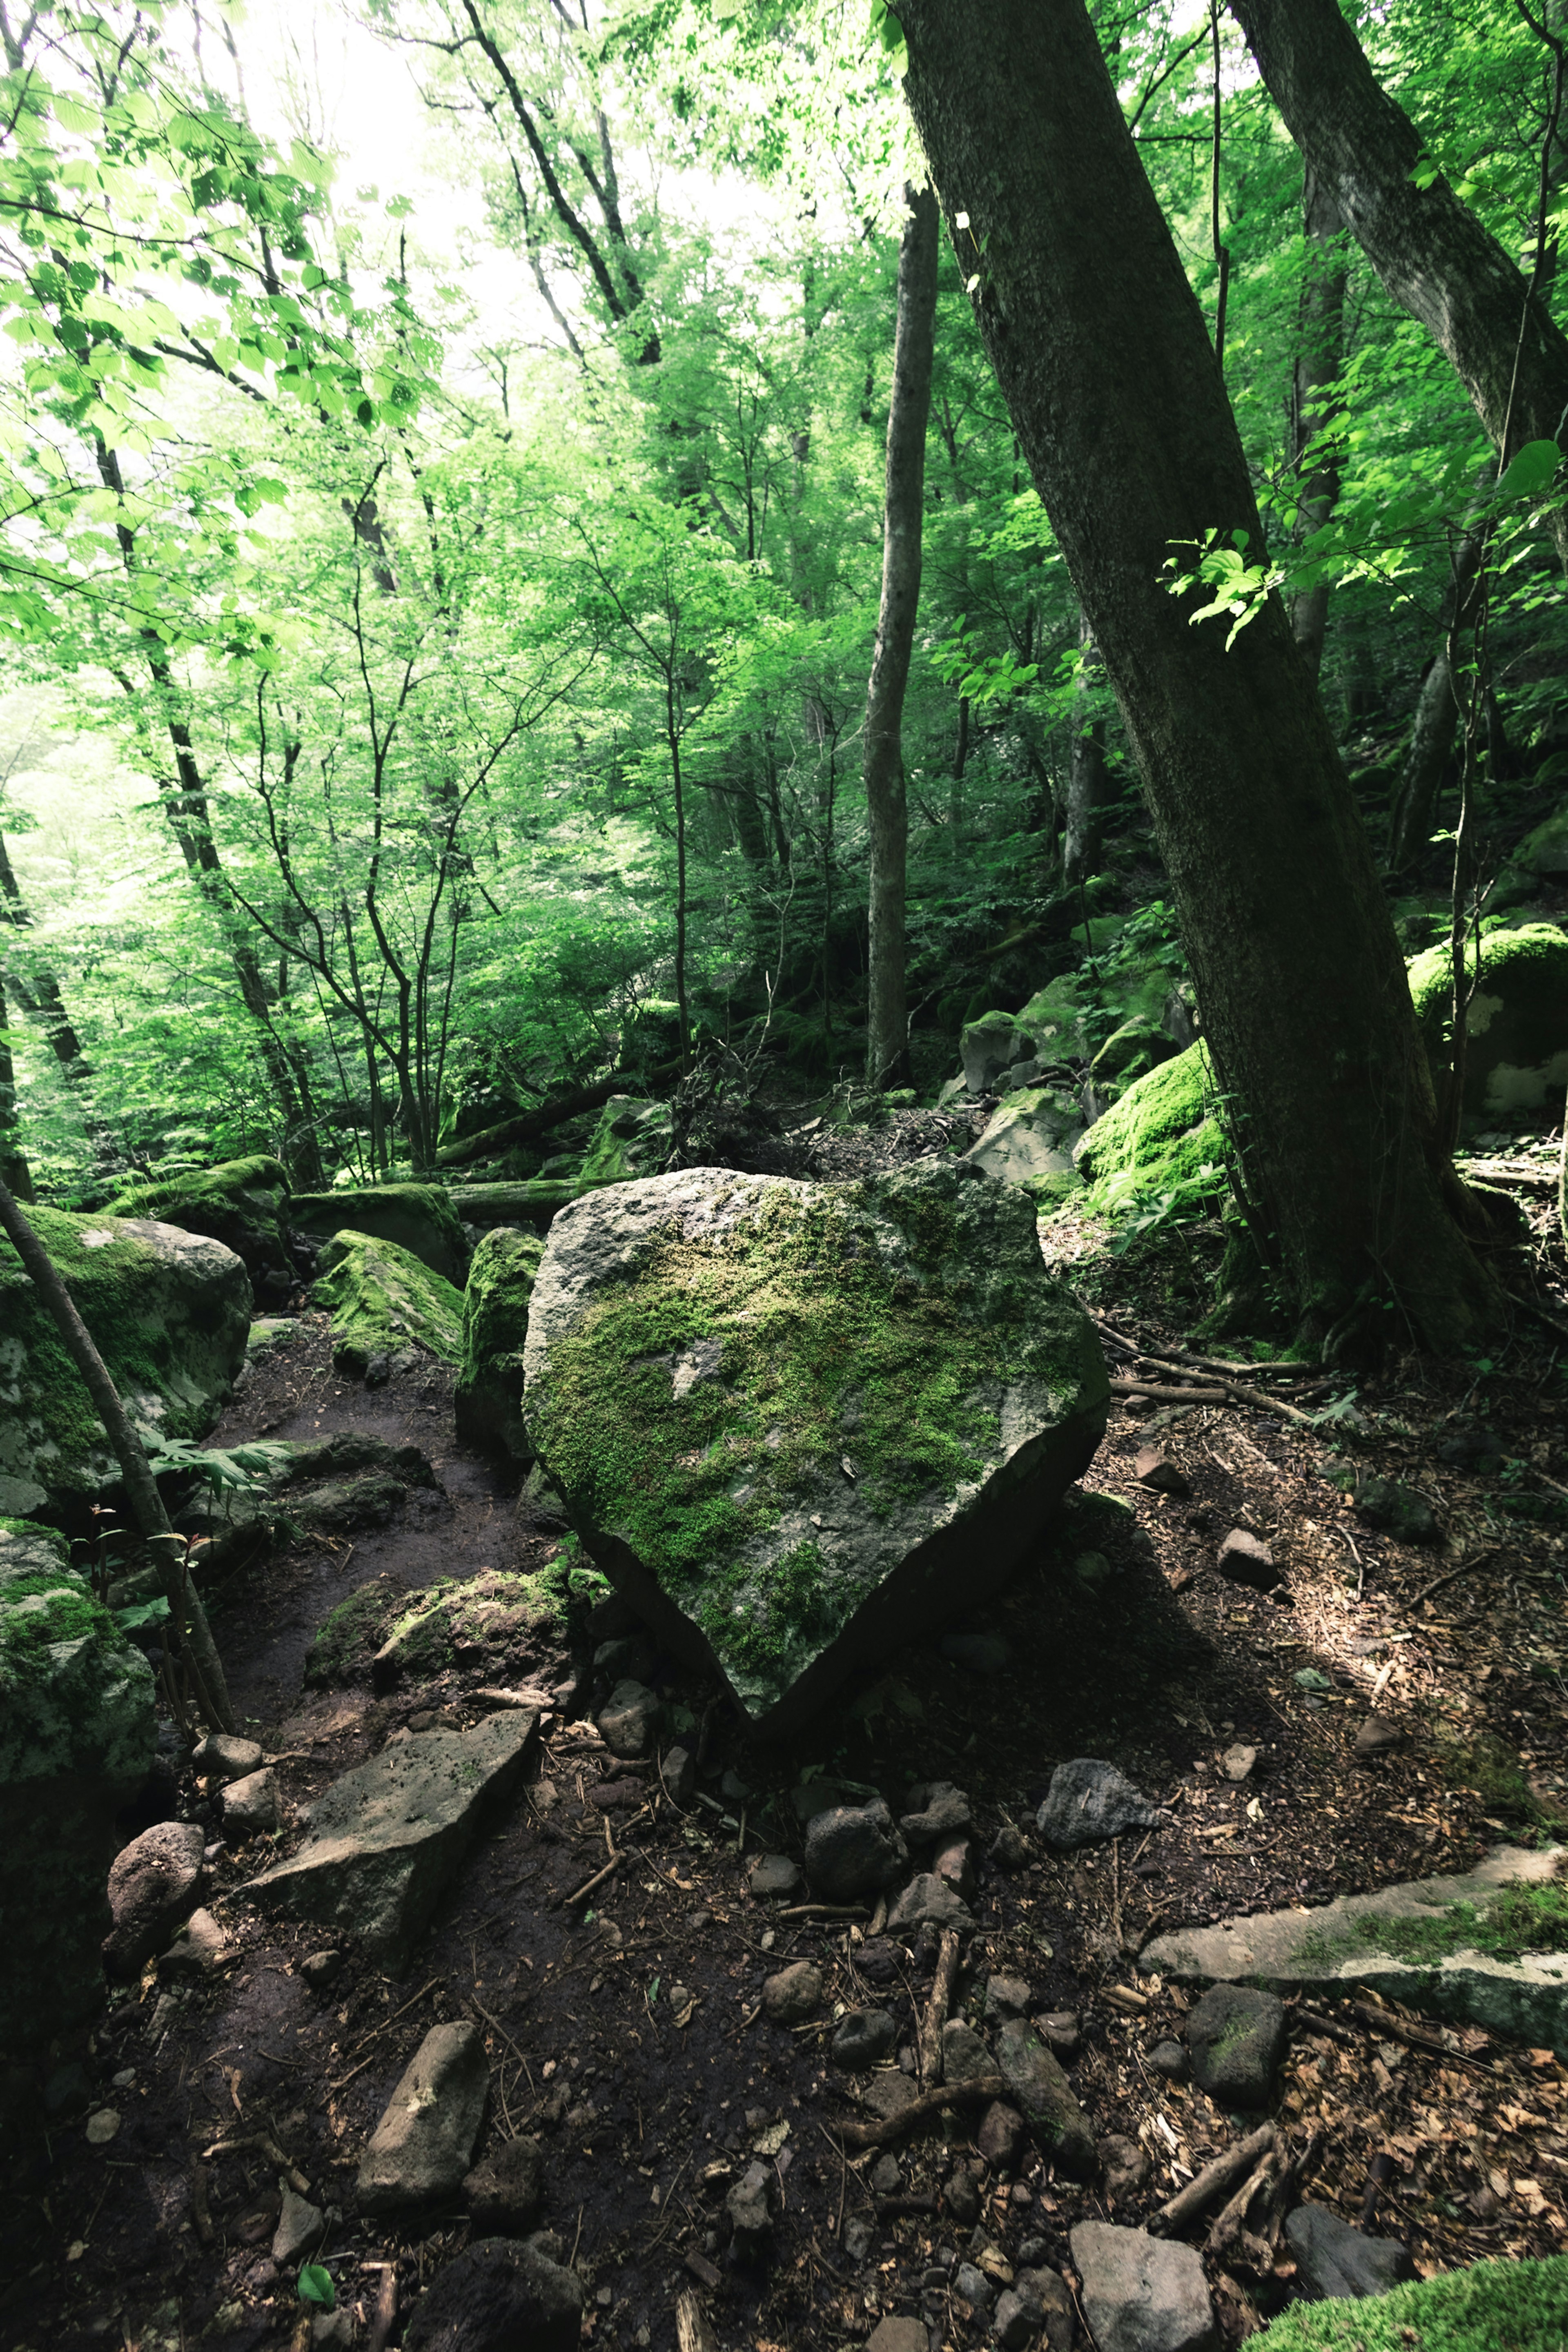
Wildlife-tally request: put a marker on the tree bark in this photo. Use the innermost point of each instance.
(1102, 354)
(14, 1168)
(1089, 778)
(887, 1026)
(1320, 362)
(1434, 256)
(1437, 718)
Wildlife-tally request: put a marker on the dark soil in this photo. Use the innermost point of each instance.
(628, 2033)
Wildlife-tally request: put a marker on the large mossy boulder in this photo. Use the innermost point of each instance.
(1498, 2307)
(170, 1312)
(533, 1201)
(1160, 1137)
(1048, 1029)
(1134, 1047)
(418, 1218)
(631, 1139)
(798, 1424)
(77, 1739)
(386, 1305)
(488, 1398)
(1029, 1142)
(1516, 1035)
(243, 1204)
(1544, 852)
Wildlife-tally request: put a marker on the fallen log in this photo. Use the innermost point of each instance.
(1211, 2182)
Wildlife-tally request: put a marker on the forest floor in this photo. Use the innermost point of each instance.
(649, 2108)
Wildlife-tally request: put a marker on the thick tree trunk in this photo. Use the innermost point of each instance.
(1319, 361)
(1102, 355)
(1089, 778)
(887, 1026)
(1432, 254)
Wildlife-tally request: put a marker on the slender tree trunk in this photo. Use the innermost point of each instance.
(1089, 778)
(1102, 355)
(955, 785)
(1320, 362)
(1436, 719)
(14, 1168)
(1434, 256)
(886, 1025)
(39, 994)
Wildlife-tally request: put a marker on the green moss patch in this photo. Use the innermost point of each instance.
(1522, 1920)
(384, 1301)
(1489, 1767)
(37, 1610)
(417, 1218)
(631, 1139)
(351, 1635)
(494, 1611)
(1160, 1137)
(1503, 2306)
(488, 1399)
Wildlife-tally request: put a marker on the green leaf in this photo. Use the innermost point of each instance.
(139, 1614)
(316, 2287)
(1310, 1679)
(1530, 470)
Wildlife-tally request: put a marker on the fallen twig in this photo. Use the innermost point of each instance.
(692, 2332)
(566, 1901)
(1211, 2182)
(1449, 1576)
(1230, 2223)
(935, 2015)
(824, 1911)
(366, 2039)
(385, 2312)
(1223, 1392)
(980, 2089)
(264, 2145)
(497, 2027)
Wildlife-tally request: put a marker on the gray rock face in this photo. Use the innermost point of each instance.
(1333, 2258)
(799, 1423)
(794, 1995)
(505, 2192)
(499, 2294)
(853, 1850)
(1142, 2293)
(1245, 1559)
(1030, 1139)
(386, 1839)
(1090, 1802)
(1044, 2096)
(422, 2147)
(628, 1724)
(152, 1888)
(300, 2227)
(863, 2037)
(929, 1898)
(1236, 2037)
(964, 2055)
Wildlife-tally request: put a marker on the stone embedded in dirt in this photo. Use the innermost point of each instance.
(1395, 1509)
(1014, 2324)
(929, 1900)
(463, 1616)
(300, 2228)
(1006, 1996)
(893, 2335)
(961, 2197)
(487, 1400)
(334, 2331)
(955, 1863)
(1158, 1472)
(853, 1850)
(1009, 1848)
(899, 1393)
(774, 1874)
(1334, 2259)
(1237, 2035)
(1061, 2029)
(250, 1807)
(617, 1796)
(421, 2149)
(1090, 1802)
(504, 2193)
(1238, 1762)
(889, 2095)
(386, 1840)
(750, 2209)
(1246, 1560)
(679, 1773)
(102, 2126)
(322, 1970)
(977, 1654)
(1000, 2136)
(887, 2175)
(878, 1961)
(628, 1723)
(1377, 1735)
(972, 2286)
(1169, 2059)
(1124, 2166)
(1044, 2098)
(200, 1947)
(498, 2292)
(863, 2037)
(1142, 2293)
(151, 1889)
(945, 1810)
(794, 1995)
(964, 2056)
(221, 1756)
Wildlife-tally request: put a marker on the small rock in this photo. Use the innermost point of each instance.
(1006, 1996)
(955, 1864)
(1238, 1762)
(1009, 1848)
(964, 2055)
(977, 1654)
(774, 1874)
(887, 2176)
(504, 2193)
(962, 2199)
(1061, 2029)
(860, 2236)
(1169, 2058)
(300, 2227)
(322, 1970)
(878, 1961)
(1248, 1560)
(221, 1757)
(198, 1949)
(1400, 1510)
(421, 2149)
(628, 1722)
(945, 1812)
(1124, 2164)
(678, 1772)
(974, 2286)
(1142, 2293)
(864, 2038)
(1048, 2293)
(498, 2292)
(1044, 2094)
(1015, 2322)
(250, 1807)
(1090, 1801)
(895, 2335)
(1152, 1470)
(794, 1995)
(628, 1658)
(928, 1898)
(152, 1886)
(1236, 2037)
(750, 2207)
(332, 2331)
(733, 1789)
(1334, 2259)
(1000, 2135)
(102, 2126)
(853, 1850)
(1377, 1735)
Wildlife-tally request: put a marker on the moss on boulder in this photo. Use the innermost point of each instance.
(488, 1398)
(1132, 1049)
(456, 1622)
(418, 1218)
(1545, 851)
(1161, 1136)
(631, 1139)
(349, 1637)
(241, 1204)
(1029, 1142)
(1501, 2306)
(799, 1424)
(170, 1311)
(385, 1304)
(1516, 1048)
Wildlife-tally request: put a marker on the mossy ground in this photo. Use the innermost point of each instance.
(38, 1610)
(381, 1298)
(1494, 2307)
(1522, 1919)
(1491, 1766)
(1161, 1136)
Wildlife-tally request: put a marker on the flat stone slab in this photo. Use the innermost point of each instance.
(1142, 2293)
(421, 2149)
(387, 1838)
(1415, 1942)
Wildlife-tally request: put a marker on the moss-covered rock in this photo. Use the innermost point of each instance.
(331, 1486)
(1132, 1049)
(240, 1203)
(385, 1303)
(631, 1139)
(488, 1398)
(799, 1424)
(1516, 1047)
(1160, 1137)
(170, 1312)
(418, 1218)
(532, 1200)
(1501, 2306)
(1029, 1142)
(457, 1623)
(349, 1639)
(1544, 852)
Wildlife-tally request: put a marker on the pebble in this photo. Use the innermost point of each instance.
(1245, 1559)
(1335, 2259)
(853, 1850)
(962, 2199)
(421, 2149)
(1090, 1802)
(220, 1756)
(1377, 1735)
(928, 1899)
(973, 2285)
(680, 1774)
(630, 1719)
(102, 2126)
(152, 1886)
(1042, 2094)
(1000, 2136)
(750, 2207)
(1169, 2058)
(1159, 1475)
(1007, 1997)
(863, 2037)
(774, 1874)
(794, 1995)
(301, 2226)
(1124, 2166)
(1238, 1762)
(896, 2334)
(322, 1970)
(1061, 2029)
(1009, 1848)
(504, 2193)
(942, 1811)
(251, 1806)
(955, 1863)
(887, 2176)
(860, 2237)
(200, 1947)
(1236, 2036)
(964, 2055)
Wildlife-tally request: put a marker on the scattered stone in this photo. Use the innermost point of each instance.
(152, 1888)
(386, 1839)
(221, 1756)
(334, 2331)
(977, 1654)
(878, 1961)
(1169, 2059)
(1090, 1801)
(1153, 1469)
(300, 2228)
(627, 1725)
(1060, 2029)
(860, 2236)
(887, 2175)
(200, 1947)
(896, 2334)
(1238, 1762)
(421, 2149)
(679, 1773)
(955, 1864)
(928, 1898)
(1123, 2165)
(964, 2055)
(853, 1850)
(1398, 1510)
(1048, 2292)
(1334, 2259)
(1044, 2094)
(863, 2037)
(504, 2193)
(889, 2094)
(250, 1807)
(1009, 1848)
(1246, 1560)
(498, 2292)
(774, 1874)
(750, 2207)
(1000, 2136)
(1236, 2036)
(322, 1970)
(1142, 2293)
(1377, 1735)
(102, 2126)
(961, 2195)
(1006, 1996)
(794, 1995)
(974, 2286)
(945, 1812)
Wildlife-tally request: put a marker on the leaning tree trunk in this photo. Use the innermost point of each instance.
(887, 1026)
(1314, 406)
(1088, 777)
(1433, 254)
(1102, 354)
